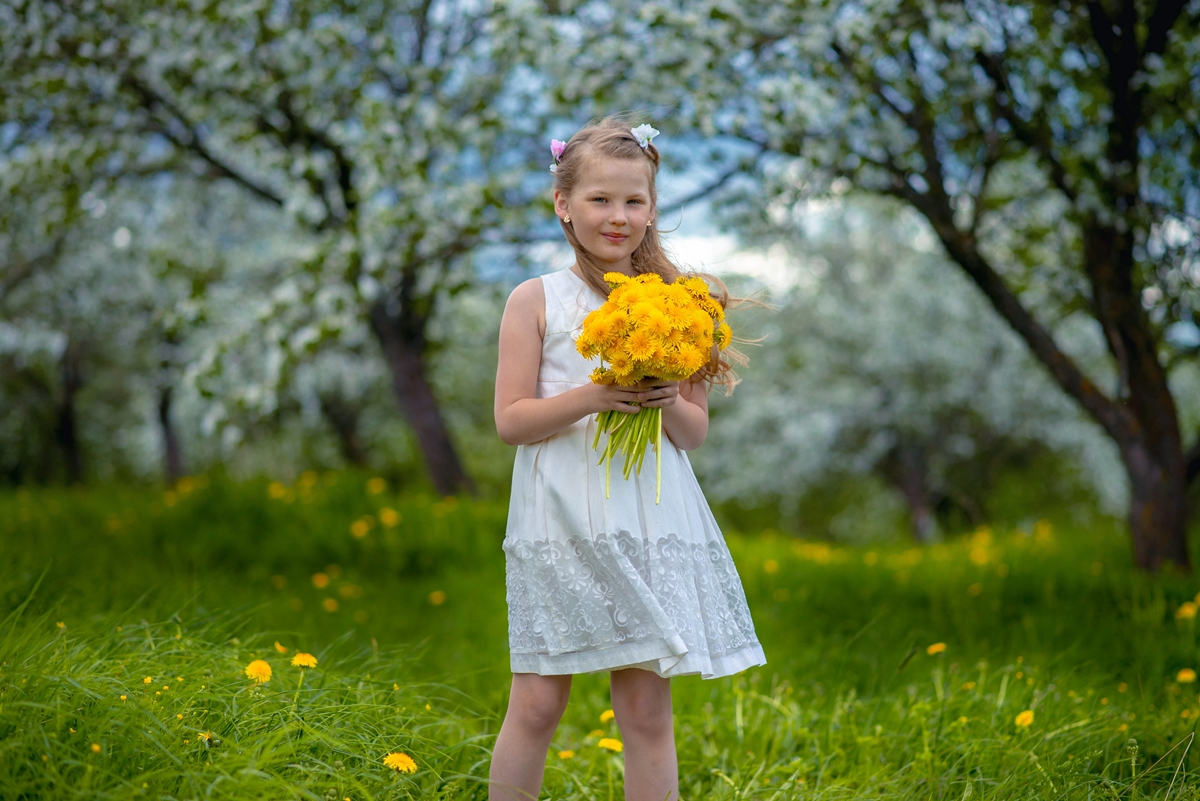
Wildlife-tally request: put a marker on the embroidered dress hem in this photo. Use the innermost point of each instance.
(618, 658)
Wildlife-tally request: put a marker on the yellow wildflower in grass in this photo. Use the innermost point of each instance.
(1024, 719)
(648, 329)
(304, 660)
(968, 685)
(259, 670)
(1185, 676)
(122, 698)
(1186, 611)
(276, 490)
(360, 528)
(771, 567)
(281, 649)
(400, 761)
(320, 580)
(607, 715)
(936, 648)
(610, 744)
(148, 680)
(329, 604)
(437, 597)
(567, 754)
(596, 733)
(376, 485)
(389, 517)
(95, 748)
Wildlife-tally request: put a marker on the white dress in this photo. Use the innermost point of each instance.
(597, 583)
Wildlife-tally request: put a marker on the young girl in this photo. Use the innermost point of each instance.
(647, 591)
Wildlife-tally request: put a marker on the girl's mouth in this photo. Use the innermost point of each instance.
(616, 239)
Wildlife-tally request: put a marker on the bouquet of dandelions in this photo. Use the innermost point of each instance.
(648, 329)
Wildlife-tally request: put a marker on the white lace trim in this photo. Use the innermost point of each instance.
(592, 595)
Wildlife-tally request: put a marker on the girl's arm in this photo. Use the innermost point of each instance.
(521, 417)
(685, 418)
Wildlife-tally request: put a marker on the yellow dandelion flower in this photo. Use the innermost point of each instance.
(601, 375)
(1185, 676)
(148, 680)
(641, 345)
(389, 517)
(596, 733)
(607, 715)
(615, 279)
(329, 604)
(612, 745)
(567, 754)
(259, 670)
(936, 648)
(122, 698)
(968, 685)
(400, 761)
(1186, 611)
(437, 597)
(585, 345)
(360, 528)
(304, 660)
(723, 336)
(1024, 719)
(96, 748)
(281, 649)
(276, 490)
(320, 580)
(376, 485)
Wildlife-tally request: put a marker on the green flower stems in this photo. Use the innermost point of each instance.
(630, 434)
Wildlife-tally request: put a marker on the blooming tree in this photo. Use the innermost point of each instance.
(398, 138)
(864, 370)
(1051, 148)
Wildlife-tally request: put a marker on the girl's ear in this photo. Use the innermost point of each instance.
(560, 203)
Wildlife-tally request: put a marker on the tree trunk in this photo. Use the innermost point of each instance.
(1157, 506)
(405, 356)
(905, 469)
(66, 432)
(343, 418)
(1149, 437)
(172, 451)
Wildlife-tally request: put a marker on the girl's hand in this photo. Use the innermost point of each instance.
(646, 394)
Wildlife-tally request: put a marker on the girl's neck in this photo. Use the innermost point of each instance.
(625, 269)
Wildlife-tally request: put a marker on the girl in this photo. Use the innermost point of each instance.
(647, 591)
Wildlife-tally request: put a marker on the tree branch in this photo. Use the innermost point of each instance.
(23, 270)
(152, 100)
(1035, 133)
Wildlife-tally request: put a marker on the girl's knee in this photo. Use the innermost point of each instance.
(643, 708)
(537, 704)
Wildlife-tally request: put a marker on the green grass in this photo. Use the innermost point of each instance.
(408, 626)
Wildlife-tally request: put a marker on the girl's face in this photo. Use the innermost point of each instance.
(609, 209)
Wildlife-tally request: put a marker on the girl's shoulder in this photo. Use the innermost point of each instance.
(527, 302)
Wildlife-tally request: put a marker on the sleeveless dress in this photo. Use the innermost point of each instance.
(597, 583)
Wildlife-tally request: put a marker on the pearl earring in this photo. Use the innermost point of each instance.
(649, 223)
(566, 218)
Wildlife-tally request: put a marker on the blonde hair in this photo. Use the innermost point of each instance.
(612, 138)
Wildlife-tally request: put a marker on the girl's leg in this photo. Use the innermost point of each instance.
(642, 703)
(535, 706)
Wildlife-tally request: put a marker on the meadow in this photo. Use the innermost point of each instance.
(1022, 660)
